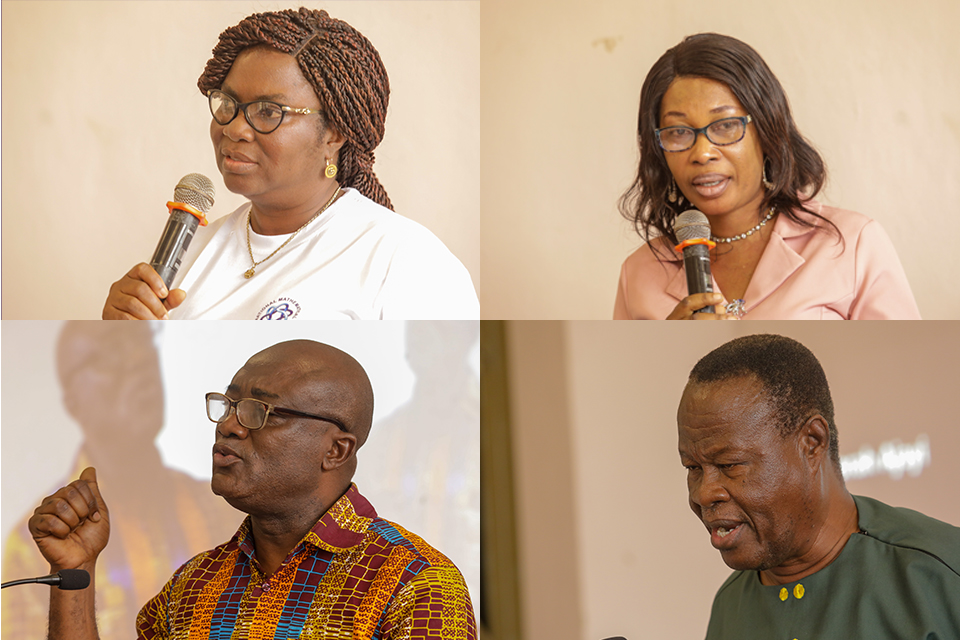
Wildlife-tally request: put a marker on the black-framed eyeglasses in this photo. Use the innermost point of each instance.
(253, 413)
(263, 115)
(721, 133)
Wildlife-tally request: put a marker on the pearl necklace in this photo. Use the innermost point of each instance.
(743, 235)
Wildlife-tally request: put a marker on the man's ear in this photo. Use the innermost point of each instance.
(342, 447)
(814, 441)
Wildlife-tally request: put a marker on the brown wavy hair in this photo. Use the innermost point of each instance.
(793, 166)
(344, 69)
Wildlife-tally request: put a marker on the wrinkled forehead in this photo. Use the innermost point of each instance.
(730, 403)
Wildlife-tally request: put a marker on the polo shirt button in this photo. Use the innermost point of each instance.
(784, 594)
(798, 591)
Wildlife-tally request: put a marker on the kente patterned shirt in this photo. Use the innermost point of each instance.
(353, 576)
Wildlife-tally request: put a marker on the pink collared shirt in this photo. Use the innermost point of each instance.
(804, 274)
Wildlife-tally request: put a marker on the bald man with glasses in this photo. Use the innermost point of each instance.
(312, 559)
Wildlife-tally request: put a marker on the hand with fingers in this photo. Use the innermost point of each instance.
(141, 295)
(72, 526)
(685, 308)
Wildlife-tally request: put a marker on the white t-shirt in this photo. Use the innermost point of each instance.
(357, 260)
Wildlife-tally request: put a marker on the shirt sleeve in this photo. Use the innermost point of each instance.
(620, 311)
(882, 289)
(427, 282)
(434, 605)
(152, 619)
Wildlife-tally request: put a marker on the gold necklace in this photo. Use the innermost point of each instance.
(249, 273)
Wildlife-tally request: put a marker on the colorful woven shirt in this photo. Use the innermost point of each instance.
(353, 575)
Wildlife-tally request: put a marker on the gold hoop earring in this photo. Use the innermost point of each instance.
(331, 170)
(766, 183)
(672, 191)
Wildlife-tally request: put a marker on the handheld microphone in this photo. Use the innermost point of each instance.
(68, 579)
(692, 229)
(192, 198)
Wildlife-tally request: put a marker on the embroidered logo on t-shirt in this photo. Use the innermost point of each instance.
(280, 309)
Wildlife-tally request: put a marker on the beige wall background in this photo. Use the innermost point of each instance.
(872, 84)
(102, 117)
(607, 544)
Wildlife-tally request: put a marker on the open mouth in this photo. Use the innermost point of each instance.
(712, 187)
(723, 537)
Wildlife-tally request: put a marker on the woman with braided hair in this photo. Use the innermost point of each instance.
(299, 101)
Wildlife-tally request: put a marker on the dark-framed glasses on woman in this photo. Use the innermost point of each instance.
(263, 115)
(720, 132)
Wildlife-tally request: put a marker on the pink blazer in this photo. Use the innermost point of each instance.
(803, 274)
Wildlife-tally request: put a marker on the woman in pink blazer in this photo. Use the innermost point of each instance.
(716, 135)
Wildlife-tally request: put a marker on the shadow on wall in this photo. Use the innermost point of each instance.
(111, 384)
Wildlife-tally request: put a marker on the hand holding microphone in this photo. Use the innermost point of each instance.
(144, 292)
(692, 229)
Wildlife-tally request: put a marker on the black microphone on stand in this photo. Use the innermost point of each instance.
(192, 198)
(692, 229)
(67, 579)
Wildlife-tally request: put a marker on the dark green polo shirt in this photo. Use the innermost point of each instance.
(899, 579)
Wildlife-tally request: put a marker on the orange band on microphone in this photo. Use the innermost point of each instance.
(686, 243)
(185, 207)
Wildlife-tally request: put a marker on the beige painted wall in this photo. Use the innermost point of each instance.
(607, 544)
(102, 117)
(872, 84)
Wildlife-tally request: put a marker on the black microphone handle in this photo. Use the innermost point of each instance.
(67, 579)
(696, 263)
(173, 244)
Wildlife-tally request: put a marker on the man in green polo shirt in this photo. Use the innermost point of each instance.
(758, 440)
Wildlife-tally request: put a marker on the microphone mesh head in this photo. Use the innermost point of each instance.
(691, 225)
(196, 190)
(72, 579)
